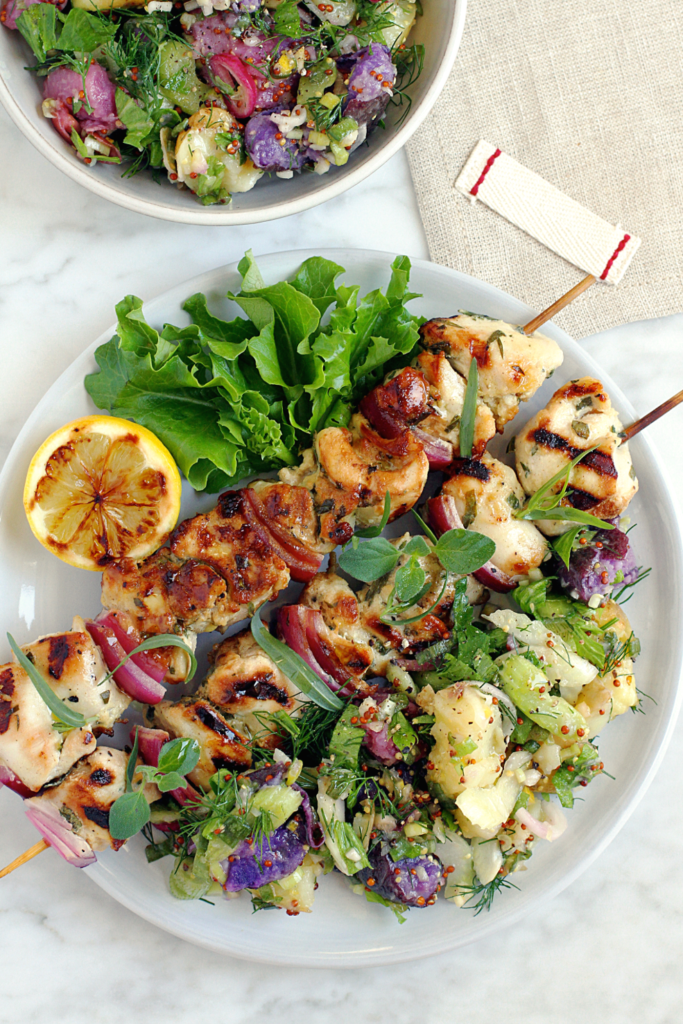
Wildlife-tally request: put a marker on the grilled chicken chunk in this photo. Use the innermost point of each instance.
(215, 566)
(244, 680)
(447, 398)
(486, 493)
(411, 637)
(84, 797)
(292, 510)
(352, 470)
(577, 417)
(221, 744)
(511, 365)
(71, 663)
(430, 397)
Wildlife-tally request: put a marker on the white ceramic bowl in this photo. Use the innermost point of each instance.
(439, 29)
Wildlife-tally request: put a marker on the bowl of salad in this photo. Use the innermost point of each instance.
(224, 111)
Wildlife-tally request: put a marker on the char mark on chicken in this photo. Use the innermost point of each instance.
(578, 417)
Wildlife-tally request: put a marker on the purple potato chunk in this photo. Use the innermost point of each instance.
(266, 150)
(259, 863)
(412, 880)
(66, 85)
(308, 829)
(370, 84)
(380, 745)
(593, 570)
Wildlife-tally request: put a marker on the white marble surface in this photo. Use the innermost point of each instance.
(606, 950)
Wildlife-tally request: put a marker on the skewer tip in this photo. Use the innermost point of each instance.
(26, 856)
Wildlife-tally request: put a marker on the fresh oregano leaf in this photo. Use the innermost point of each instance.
(409, 580)
(464, 551)
(369, 561)
(417, 546)
(180, 755)
(128, 814)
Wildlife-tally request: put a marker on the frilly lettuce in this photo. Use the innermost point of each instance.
(231, 399)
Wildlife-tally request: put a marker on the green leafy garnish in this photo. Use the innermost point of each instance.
(294, 667)
(544, 504)
(64, 715)
(37, 25)
(469, 411)
(154, 642)
(130, 813)
(231, 399)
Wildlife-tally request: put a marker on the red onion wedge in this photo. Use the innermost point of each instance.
(386, 421)
(150, 742)
(442, 513)
(129, 677)
(302, 563)
(13, 782)
(236, 75)
(323, 652)
(438, 451)
(59, 833)
(292, 622)
(148, 665)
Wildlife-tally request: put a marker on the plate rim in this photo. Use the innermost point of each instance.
(99, 874)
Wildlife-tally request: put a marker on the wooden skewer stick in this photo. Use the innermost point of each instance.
(650, 417)
(25, 856)
(563, 301)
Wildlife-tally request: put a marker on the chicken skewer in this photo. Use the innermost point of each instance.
(371, 500)
(559, 304)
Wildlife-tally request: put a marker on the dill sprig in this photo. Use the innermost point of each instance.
(484, 893)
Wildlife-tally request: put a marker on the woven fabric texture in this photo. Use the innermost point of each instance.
(588, 95)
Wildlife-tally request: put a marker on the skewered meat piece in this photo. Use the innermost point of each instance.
(244, 680)
(220, 742)
(429, 398)
(351, 471)
(84, 797)
(293, 511)
(486, 494)
(413, 636)
(71, 664)
(447, 397)
(215, 567)
(511, 365)
(578, 416)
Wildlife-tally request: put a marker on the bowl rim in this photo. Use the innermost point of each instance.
(77, 171)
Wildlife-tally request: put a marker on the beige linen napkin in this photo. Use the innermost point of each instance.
(589, 95)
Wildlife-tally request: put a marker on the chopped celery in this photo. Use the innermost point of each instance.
(528, 686)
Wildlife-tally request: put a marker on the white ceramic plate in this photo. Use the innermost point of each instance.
(439, 29)
(40, 594)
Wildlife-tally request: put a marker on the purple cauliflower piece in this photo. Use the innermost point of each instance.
(594, 567)
(66, 85)
(259, 863)
(370, 84)
(412, 880)
(14, 8)
(267, 151)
